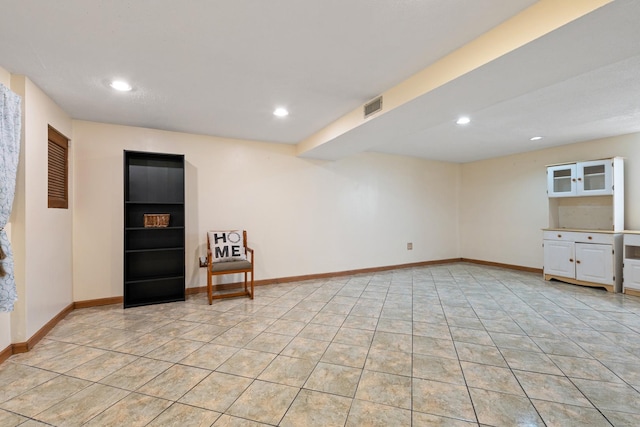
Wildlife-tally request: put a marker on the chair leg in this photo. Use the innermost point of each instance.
(251, 284)
(209, 287)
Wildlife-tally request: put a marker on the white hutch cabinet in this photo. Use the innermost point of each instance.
(584, 258)
(584, 243)
(592, 178)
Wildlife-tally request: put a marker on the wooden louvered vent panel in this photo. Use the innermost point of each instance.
(58, 171)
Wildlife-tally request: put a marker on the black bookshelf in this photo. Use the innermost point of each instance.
(154, 257)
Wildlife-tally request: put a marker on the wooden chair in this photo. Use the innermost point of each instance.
(228, 253)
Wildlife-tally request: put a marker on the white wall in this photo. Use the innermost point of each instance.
(503, 204)
(302, 216)
(5, 318)
(41, 237)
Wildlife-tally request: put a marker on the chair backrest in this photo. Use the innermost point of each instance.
(227, 245)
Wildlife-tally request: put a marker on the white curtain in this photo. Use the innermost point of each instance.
(10, 123)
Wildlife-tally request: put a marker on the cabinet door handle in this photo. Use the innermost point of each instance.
(589, 237)
(573, 180)
(570, 259)
(577, 261)
(579, 179)
(559, 236)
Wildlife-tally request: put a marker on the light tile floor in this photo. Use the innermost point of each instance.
(448, 345)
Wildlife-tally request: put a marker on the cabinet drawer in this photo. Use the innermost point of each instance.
(567, 236)
(575, 236)
(600, 238)
(632, 239)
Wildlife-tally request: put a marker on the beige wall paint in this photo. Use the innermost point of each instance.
(302, 216)
(503, 203)
(5, 77)
(41, 237)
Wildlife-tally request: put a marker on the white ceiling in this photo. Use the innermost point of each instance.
(217, 67)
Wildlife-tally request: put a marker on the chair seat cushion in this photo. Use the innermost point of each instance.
(230, 265)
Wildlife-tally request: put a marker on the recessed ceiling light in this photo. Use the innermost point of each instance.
(463, 120)
(535, 138)
(280, 112)
(120, 85)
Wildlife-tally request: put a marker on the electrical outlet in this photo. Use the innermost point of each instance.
(203, 261)
(409, 246)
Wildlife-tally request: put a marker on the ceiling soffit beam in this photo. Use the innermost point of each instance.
(542, 18)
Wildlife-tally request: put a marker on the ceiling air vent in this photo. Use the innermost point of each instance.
(372, 107)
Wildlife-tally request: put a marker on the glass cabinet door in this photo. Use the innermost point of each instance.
(594, 178)
(561, 180)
